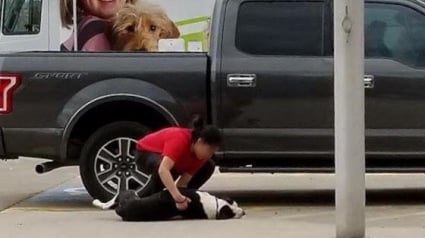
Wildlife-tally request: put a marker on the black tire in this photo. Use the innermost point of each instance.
(102, 160)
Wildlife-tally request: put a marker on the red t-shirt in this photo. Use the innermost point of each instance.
(175, 143)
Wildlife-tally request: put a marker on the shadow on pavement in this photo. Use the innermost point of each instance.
(323, 197)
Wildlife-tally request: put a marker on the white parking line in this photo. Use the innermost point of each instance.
(76, 191)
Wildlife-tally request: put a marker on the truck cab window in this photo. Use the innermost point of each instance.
(281, 28)
(21, 17)
(396, 32)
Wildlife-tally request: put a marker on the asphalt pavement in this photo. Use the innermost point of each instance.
(280, 205)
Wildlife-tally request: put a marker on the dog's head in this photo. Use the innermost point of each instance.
(220, 208)
(227, 209)
(139, 27)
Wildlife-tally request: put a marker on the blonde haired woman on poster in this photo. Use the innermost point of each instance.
(92, 19)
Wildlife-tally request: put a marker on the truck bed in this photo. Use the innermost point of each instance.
(56, 85)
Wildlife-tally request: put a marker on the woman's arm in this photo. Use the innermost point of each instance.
(167, 179)
(184, 180)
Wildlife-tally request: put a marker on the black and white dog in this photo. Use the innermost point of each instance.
(161, 206)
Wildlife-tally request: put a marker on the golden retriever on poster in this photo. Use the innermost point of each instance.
(139, 27)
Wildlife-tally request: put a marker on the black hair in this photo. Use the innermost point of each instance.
(208, 133)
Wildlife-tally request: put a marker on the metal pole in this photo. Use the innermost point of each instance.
(349, 118)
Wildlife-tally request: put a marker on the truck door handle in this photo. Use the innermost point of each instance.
(369, 81)
(241, 80)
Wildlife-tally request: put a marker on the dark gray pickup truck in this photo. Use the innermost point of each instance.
(267, 82)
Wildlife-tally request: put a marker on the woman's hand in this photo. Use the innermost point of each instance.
(182, 204)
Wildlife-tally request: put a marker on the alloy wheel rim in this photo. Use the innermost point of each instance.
(115, 166)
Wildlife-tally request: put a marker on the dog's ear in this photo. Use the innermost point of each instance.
(225, 213)
(122, 27)
(125, 19)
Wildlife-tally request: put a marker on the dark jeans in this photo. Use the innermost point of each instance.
(149, 163)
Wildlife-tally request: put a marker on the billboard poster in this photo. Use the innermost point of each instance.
(137, 25)
(105, 25)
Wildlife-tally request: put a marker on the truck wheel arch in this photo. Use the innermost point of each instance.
(104, 100)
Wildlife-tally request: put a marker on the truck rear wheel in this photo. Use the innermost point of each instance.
(107, 160)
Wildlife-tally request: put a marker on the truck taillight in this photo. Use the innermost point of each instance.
(8, 84)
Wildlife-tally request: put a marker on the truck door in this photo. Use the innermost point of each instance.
(23, 26)
(395, 58)
(276, 79)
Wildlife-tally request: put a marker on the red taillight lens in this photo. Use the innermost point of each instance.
(8, 84)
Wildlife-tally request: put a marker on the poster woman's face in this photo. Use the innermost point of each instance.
(102, 8)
